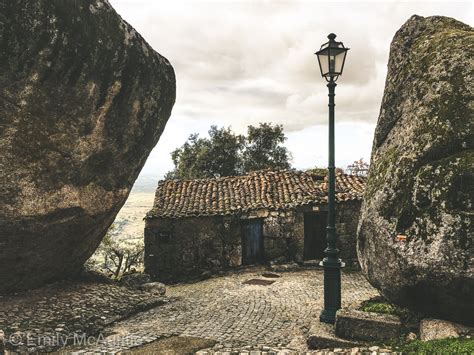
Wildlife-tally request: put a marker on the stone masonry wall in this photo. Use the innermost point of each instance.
(277, 233)
(187, 247)
(180, 248)
(347, 218)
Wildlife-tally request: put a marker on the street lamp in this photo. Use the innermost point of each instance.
(331, 58)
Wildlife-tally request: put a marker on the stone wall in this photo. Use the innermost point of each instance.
(187, 247)
(277, 232)
(347, 219)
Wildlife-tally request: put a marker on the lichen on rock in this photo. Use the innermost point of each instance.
(415, 240)
(82, 103)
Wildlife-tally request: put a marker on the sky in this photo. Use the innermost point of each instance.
(239, 63)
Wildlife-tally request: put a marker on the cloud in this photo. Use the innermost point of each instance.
(244, 62)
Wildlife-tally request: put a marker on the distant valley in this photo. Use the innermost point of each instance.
(129, 223)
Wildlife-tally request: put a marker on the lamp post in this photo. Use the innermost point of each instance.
(331, 58)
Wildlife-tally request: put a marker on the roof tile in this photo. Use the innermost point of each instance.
(268, 189)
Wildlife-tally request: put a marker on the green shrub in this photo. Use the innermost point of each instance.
(378, 305)
(440, 346)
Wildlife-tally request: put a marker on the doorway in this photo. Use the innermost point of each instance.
(252, 241)
(315, 235)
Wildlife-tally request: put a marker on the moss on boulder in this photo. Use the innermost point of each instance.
(415, 239)
(83, 100)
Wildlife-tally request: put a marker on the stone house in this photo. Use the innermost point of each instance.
(211, 224)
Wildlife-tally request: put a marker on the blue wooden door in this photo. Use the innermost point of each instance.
(252, 241)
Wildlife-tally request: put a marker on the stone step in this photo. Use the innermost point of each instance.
(367, 326)
(322, 336)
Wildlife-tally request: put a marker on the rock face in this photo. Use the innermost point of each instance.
(83, 100)
(432, 329)
(135, 280)
(415, 241)
(154, 287)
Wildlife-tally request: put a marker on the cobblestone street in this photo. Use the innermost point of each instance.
(42, 320)
(236, 314)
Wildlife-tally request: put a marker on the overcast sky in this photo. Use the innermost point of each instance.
(244, 62)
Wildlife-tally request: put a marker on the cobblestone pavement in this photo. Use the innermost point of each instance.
(266, 350)
(236, 314)
(50, 317)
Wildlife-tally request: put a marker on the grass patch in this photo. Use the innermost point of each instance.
(440, 346)
(379, 305)
(410, 320)
(410, 323)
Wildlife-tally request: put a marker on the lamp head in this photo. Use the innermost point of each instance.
(331, 58)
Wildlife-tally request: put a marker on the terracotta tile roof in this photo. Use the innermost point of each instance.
(265, 189)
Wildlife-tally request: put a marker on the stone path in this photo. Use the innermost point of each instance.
(266, 350)
(53, 316)
(236, 314)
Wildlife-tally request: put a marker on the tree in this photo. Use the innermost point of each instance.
(116, 258)
(120, 258)
(324, 171)
(218, 155)
(358, 167)
(225, 153)
(264, 149)
(318, 171)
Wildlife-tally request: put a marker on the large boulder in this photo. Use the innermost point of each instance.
(83, 100)
(415, 241)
